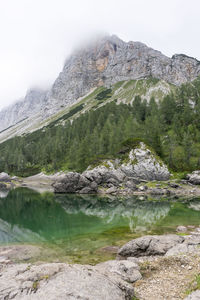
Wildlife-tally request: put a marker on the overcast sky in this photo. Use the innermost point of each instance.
(37, 35)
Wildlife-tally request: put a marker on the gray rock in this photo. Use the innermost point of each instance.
(74, 183)
(115, 173)
(127, 270)
(181, 229)
(61, 281)
(193, 296)
(156, 191)
(194, 177)
(150, 245)
(4, 177)
(111, 190)
(174, 185)
(142, 188)
(131, 185)
(190, 245)
(143, 164)
(110, 60)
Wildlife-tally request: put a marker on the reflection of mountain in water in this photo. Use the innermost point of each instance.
(28, 216)
(133, 211)
(194, 204)
(15, 234)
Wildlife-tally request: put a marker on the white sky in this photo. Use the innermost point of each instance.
(37, 35)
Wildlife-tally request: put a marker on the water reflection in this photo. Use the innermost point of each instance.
(27, 216)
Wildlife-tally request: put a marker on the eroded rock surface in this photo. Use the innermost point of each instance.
(194, 177)
(126, 269)
(150, 245)
(61, 281)
(115, 175)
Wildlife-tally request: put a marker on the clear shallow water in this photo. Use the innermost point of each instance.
(79, 226)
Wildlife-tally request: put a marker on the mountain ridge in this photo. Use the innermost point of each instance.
(102, 63)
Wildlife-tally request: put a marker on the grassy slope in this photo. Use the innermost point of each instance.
(123, 91)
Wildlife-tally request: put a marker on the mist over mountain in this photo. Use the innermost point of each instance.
(101, 63)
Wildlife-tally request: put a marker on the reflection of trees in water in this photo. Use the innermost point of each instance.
(33, 216)
(133, 211)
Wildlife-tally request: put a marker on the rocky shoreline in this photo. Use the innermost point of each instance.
(172, 189)
(137, 172)
(150, 267)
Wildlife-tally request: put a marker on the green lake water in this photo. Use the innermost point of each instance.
(76, 228)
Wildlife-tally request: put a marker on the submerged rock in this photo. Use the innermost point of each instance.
(150, 245)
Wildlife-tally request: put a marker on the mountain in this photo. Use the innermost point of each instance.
(23, 109)
(110, 60)
(108, 93)
(102, 63)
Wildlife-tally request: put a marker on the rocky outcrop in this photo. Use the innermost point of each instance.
(116, 175)
(75, 183)
(61, 281)
(143, 164)
(150, 245)
(194, 177)
(4, 177)
(126, 269)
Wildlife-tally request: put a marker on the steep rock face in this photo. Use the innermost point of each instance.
(33, 102)
(110, 60)
(105, 62)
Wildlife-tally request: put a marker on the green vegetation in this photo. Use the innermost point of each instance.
(171, 128)
(194, 285)
(105, 94)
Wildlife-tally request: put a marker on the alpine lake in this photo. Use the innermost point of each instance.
(82, 228)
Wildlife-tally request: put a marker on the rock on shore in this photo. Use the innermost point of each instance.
(61, 281)
(194, 177)
(141, 164)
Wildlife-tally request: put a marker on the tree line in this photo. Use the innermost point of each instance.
(171, 127)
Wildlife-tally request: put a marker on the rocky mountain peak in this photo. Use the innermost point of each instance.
(105, 61)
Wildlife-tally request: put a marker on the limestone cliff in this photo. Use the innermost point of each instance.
(104, 62)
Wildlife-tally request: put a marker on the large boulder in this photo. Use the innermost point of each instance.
(127, 270)
(150, 245)
(4, 177)
(61, 281)
(144, 164)
(140, 165)
(194, 177)
(75, 183)
(190, 245)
